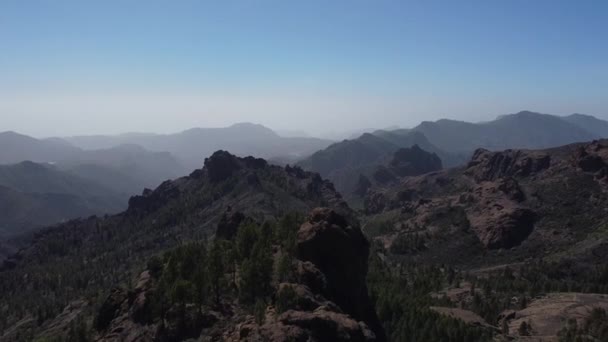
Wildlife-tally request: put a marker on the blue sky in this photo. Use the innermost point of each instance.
(70, 67)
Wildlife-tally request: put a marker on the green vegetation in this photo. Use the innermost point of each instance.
(408, 243)
(594, 328)
(208, 274)
(512, 289)
(402, 297)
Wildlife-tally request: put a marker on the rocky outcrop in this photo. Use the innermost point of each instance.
(497, 215)
(340, 251)
(487, 166)
(328, 300)
(123, 315)
(151, 200)
(328, 325)
(527, 198)
(221, 165)
(325, 300)
(593, 158)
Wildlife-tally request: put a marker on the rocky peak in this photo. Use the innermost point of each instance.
(221, 165)
(414, 161)
(591, 157)
(151, 200)
(340, 251)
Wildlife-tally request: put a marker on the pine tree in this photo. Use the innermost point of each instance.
(215, 264)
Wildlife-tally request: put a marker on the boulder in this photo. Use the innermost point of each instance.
(327, 325)
(497, 215)
(503, 227)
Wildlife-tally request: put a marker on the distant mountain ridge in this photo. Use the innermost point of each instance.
(524, 129)
(344, 162)
(190, 146)
(143, 168)
(47, 181)
(589, 123)
(453, 141)
(35, 195)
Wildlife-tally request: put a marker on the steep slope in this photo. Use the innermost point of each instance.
(24, 212)
(94, 254)
(116, 167)
(35, 195)
(343, 163)
(192, 145)
(405, 162)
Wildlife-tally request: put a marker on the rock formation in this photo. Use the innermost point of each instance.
(328, 298)
(505, 195)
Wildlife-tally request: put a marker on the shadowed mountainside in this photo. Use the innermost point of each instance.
(36, 195)
(343, 163)
(124, 168)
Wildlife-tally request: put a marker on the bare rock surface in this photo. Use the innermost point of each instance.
(547, 315)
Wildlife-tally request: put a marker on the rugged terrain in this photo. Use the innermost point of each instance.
(517, 224)
(533, 202)
(37, 195)
(510, 246)
(452, 141)
(345, 162)
(324, 297)
(82, 259)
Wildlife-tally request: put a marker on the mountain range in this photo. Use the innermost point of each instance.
(453, 141)
(521, 130)
(502, 241)
(35, 195)
(511, 244)
(117, 167)
(190, 146)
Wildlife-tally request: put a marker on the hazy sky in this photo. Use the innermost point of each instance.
(83, 67)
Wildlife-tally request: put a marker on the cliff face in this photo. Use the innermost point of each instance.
(325, 300)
